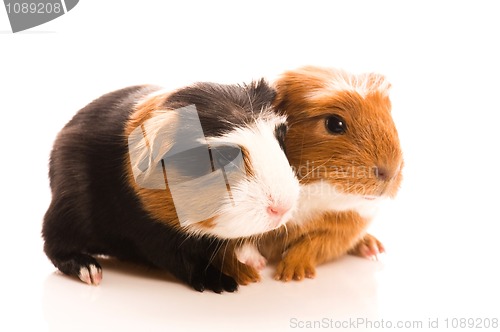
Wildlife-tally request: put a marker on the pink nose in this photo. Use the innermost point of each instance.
(277, 211)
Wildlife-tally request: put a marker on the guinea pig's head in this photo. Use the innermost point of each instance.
(262, 190)
(216, 156)
(341, 132)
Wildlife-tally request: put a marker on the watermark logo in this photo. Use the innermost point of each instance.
(171, 151)
(26, 14)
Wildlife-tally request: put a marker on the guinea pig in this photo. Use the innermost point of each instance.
(168, 179)
(344, 147)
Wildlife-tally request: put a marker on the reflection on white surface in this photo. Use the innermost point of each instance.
(406, 285)
(131, 298)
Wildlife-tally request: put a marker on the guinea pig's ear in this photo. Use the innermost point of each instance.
(282, 85)
(261, 94)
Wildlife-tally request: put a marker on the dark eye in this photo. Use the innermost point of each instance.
(335, 125)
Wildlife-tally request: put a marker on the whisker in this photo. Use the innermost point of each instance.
(249, 100)
(216, 251)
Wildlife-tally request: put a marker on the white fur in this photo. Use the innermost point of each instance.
(340, 80)
(249, 254)
(274, 182)
(246, 213)
(320, 197)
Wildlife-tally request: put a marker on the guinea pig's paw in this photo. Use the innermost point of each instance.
(246, 274)
(213, 279)
(83, 266)
(90, 274)
(369, 247)
(249, 254)
(289, 269)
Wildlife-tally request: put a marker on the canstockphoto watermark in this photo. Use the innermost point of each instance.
(374, 324)
(26, 14)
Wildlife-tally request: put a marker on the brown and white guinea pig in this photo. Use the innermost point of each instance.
(344, 147)
(167, 179)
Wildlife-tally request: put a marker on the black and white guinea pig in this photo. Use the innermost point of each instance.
(166, 179)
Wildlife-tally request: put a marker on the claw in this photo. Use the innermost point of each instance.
(369, 247)
(91, 275)
(298, 271)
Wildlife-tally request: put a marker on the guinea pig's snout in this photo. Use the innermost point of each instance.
(386, 173)
(276, 212)
(382, 173)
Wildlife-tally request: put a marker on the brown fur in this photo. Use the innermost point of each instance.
(370, 143)
(350, 162)
(356, 152)
(322, 239)
(230, 265)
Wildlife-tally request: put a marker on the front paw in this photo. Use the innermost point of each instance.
(212, 279)
(368, 247)
(249, 254)
(245, 274)
(295, 269)
(246, 264)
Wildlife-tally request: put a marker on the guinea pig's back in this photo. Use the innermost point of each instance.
(91, 201)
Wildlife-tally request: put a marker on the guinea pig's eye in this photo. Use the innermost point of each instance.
(335, 125)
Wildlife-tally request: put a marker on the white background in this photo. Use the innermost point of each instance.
(441, 233)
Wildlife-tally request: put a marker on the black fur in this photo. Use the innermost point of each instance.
(239, 106)
(95, 211)
(280, 133)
